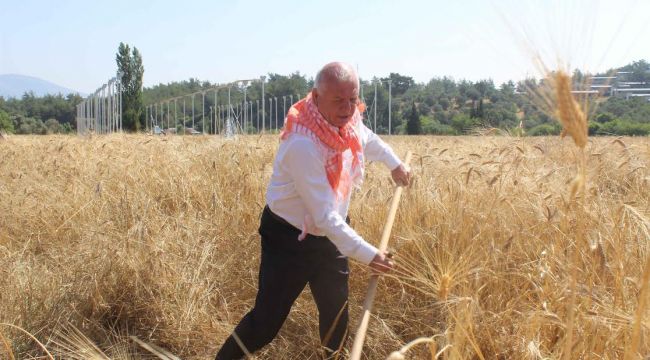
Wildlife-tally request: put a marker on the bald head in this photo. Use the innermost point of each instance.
(335, 72)
(336, 93)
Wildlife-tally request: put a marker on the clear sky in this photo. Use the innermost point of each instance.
(73, 43)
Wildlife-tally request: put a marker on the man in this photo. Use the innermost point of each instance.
(305, 239)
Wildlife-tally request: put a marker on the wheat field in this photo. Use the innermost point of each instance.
(497, 256)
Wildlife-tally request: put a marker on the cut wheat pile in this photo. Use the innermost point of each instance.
(121, 235)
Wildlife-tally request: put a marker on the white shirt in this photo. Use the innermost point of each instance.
(300, 193)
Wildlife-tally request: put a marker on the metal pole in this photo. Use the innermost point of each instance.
(238, 115)
(284, 109)
(202, 113)
(119, 100)
(91, 112)
(244, 111)
(270, 113)
(105, 105)
(121, 110)
(244, 108)
(176, 115)
(229, 107)
(103, 112)
(390, 82)
(109, 117)
(113, 107)
(257, 102)
(275, 99)
(99, 111)
(250, 107)
(375, 105)
(109, 101)
(262, 79)
(184, 119)
(215, 111)
(192, 112)
(104, 109)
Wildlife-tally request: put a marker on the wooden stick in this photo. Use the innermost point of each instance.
(372, 286)
(155, 350)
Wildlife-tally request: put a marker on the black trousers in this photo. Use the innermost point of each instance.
(287, 265)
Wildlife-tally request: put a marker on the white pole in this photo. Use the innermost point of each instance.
(375, 105)
(109, 101)
(203, 113)
(257, 103)
(262, 78)
(215, 111)
(284, 109)
(271, 113)
(389, 105)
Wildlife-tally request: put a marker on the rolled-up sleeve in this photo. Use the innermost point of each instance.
(304, 163)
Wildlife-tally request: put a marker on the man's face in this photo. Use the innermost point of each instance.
(337, 101)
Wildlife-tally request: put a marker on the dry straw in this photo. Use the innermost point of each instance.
(159, 237)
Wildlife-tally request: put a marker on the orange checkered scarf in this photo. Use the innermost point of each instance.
(304, 118)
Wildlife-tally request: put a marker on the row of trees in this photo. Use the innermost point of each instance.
(49, 114)
(441, 106)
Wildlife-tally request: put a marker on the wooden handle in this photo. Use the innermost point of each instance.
(374, 279)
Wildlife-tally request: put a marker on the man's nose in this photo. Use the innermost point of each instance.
(348, 107)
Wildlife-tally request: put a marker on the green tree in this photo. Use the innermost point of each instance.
(413, 124)
(6, 124)
(129, 65)
(53, 127)
(400, 83)
(640, 71)
(28, 125)
(462, 123)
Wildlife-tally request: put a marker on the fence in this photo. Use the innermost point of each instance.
(101, 112)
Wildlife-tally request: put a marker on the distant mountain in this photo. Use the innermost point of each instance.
(13, 85)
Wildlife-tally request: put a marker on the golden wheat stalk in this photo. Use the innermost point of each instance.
(569, 112)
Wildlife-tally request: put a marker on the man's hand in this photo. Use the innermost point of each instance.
(401, 175)
(382, 262)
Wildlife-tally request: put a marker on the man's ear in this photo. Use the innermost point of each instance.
(314, 95)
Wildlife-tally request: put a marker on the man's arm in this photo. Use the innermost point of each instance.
(307, 169)
(377, 150)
